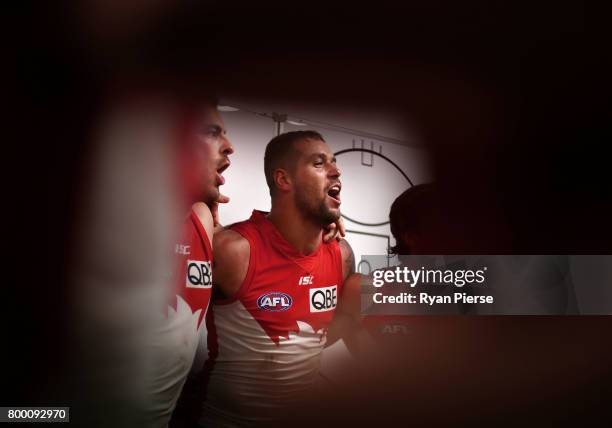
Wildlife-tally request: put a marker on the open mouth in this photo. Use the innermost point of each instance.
(220, 178)
(334, 192)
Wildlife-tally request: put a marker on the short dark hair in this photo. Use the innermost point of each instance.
(409, 213)
(194, 102)
(280, 148)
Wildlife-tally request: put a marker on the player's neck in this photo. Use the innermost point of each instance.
(303, 235)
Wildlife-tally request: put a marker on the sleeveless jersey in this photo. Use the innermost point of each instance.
(265, 343)
(178, 337)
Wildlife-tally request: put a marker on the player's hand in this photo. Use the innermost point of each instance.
(334, 231)
(214, 208)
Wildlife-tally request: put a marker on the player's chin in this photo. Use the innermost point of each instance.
(331, 215)
(211, 194)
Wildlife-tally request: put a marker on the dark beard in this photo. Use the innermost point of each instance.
(210, 197)
(319, 214)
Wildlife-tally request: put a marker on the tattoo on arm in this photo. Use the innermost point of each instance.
(349, 261)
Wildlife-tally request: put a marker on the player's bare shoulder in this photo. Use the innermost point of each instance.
(232, 244)
(203, 213)
(231, 261)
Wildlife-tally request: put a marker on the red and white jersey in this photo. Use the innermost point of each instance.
(265, 343)
(194, 269)
(178, 337)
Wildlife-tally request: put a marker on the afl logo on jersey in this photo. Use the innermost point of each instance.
(323, 299)
(199, 274)
(274, 302)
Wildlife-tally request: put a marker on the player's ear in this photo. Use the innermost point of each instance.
(282, 179)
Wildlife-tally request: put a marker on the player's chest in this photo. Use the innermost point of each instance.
(293, 294)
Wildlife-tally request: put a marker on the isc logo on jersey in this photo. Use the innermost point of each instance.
(199, 274)
(274, 302)
(323, 299)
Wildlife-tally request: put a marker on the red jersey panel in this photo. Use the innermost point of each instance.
(194, 268)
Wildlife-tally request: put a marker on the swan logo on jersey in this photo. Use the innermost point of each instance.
(274, 302)
(199, 274)
(323, 299)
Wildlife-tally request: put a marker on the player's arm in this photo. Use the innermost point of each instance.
(214, 209)
(344, 314)
(206, 219)
(347, 322)
(348, 259)
(230, 263)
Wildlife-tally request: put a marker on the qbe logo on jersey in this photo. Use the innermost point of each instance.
(323, 299)
(199, 274)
